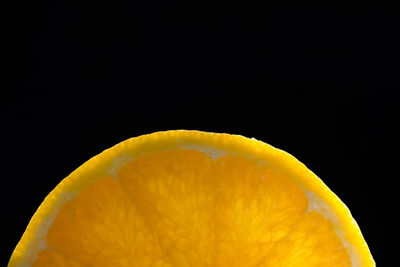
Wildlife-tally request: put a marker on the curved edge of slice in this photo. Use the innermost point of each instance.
(208, 142)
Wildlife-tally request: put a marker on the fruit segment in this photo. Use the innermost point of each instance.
(175, 192)
(101, 227)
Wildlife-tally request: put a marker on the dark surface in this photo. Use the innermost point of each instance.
(318, 83)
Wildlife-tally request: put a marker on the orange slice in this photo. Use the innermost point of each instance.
(190, 198)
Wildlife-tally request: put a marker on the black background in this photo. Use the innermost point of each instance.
(318, 83)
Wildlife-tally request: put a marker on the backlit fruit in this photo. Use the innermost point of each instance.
(190, 198)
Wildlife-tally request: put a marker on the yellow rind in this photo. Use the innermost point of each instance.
(94, 167)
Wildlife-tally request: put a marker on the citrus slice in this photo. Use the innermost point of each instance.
(191, 198)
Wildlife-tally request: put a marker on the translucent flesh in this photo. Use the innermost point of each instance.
(182, 208)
